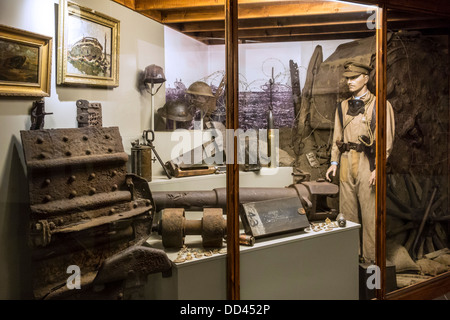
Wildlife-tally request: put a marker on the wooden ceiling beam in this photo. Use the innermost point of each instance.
(278, 9)
(274, 19)
(142, 5)
(319, 37)
(288, 22)
(127, 3)
(153, 14)
(418, 24)
(163, 5)
(322, 29)
(283, 22)
(312, 36)
(438, 7)
(287, 32)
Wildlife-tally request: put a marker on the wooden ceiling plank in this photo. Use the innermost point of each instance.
(201, 26)
(321, 37)
(283, 22)
(337, 35)
(153, 14)
(418, 24)
(142, 5)
(259, 11)
(127, 3)
(288, 22)
(286, 32)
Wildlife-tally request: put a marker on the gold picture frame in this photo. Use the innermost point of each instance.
(25, 63)
(88, 47)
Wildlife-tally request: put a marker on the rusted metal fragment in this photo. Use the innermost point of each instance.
(89, 114)
(173, 227)
(85, 207)
(134, 263)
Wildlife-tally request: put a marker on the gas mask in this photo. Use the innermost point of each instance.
(355, 107)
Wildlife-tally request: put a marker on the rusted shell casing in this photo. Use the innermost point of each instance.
(141, 161)
(174, 227)
(214, 227)
(216, 198)
(311, 194)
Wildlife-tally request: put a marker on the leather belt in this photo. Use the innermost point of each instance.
(347, 146)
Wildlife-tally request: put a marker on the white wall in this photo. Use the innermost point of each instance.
(187, 59)
(141, 44)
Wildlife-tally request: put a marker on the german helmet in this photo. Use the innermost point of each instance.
(154, 74)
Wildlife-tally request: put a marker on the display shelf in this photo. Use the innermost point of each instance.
(300, 265)
(266, 177)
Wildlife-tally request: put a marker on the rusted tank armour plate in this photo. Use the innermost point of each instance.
(80, 191)
(69, 163)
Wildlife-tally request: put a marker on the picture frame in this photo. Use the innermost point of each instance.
(25, 63)
(88, 47)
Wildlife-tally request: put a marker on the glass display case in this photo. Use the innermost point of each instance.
(238, 149)
(291, 78)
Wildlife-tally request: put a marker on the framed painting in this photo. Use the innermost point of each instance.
(88, 47)
(25, 63)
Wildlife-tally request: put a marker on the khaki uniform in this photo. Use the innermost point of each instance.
(354, 173)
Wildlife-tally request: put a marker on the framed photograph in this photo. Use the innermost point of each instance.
(25, 63)
(88, 47)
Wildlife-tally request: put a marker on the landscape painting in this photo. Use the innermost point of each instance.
(25, 63)
(19, 62)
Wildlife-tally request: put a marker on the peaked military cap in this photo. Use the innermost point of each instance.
(352, 69)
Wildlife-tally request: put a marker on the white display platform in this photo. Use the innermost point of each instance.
(316, 265)
(303, 265)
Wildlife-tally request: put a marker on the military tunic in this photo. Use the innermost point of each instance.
(356, 196)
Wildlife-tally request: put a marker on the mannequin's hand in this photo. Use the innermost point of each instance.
(372, 178)
(331, 169)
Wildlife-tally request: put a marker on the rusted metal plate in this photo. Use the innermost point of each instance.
(271, 217)
(72, 163)
(85, 207)
(89, 114)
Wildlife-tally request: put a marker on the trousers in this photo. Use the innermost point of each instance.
(357, 199)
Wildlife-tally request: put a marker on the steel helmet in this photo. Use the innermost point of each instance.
(175, 110)
(200, 88)
(154, 74)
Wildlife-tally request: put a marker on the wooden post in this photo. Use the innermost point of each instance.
(232, 124)
(448, 131)
(380, 222)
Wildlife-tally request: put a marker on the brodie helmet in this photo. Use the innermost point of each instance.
(200, 88)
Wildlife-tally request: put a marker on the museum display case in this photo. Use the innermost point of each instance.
(238, 149)
(417, 64)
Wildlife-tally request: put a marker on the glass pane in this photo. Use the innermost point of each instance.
(293, 74)
(190, 122)
(417, 178)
